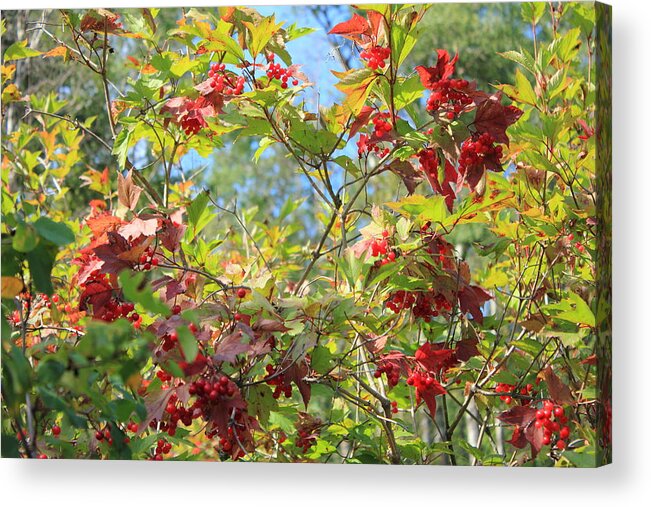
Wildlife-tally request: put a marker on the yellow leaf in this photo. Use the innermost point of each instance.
(57, 51)
(11, 286)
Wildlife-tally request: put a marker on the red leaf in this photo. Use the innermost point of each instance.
(409, 175)
(428, 394)
(355, 26)
(443, 70)
(494, 118)
(296, 372)
(466, 349)
(471, 298)
(434, 358)
(519, 415)
(558, 391)
(396, 359)
(361, 120)
(230, 346)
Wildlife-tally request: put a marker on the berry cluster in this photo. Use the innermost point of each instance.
(225, 83)
(380, 247)
(509, 388)
(147, 259)
(556, 425)
(162, 447)
(424, 305)
(105, 435)
(391, 370)
(177, 413)
(169, 341)
(367, 145)
(394, 407)
(274, 71)
(449, 96)
(429, 162)
(425, 385)
(276, 379)
(376, 56)
(380, 124)
(478, 151)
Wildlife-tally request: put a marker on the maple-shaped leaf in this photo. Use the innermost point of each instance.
(375, 344)
(409, 175)
(443, 69)
(434, 358)
(230, 346)
(268, 326)
(493, 118)
(361, 120)
(558, 392)
(184, 110)
(96, 294)
(110, 253)
(139, 227)
(104, 222)
(100, 20)
(171, 231)
(428, 393)
(397, 360)
(471, 299)
(128, 191)
(353, 28)
(442, 183)
(519, 415)
(465, 349)
(297, 371)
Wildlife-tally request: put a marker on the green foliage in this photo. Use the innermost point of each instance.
(365, 288)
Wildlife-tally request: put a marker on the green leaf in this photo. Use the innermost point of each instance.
(533, 11)
(41, 261)
(526, 92)
(54, 232)
(261, 402)
(19, 50)
(580, 312)
(121, 145)
(199, 214)
(25, 238)
(261, 33)
(183, 65)
(321, 359)
(136, 291)
(188, 342)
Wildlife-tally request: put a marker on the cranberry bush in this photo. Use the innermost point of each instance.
(160, 323)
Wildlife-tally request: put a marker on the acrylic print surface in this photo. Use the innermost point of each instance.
(333, 234)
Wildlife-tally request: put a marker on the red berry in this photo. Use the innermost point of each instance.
(176, 309)
(56, 430)
(560, 444)
(241, 293)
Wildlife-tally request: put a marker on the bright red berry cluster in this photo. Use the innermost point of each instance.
(449, 96)
(274, 378)
(223, 82)
(147, 259)
(425, 385)
(380, 248)
(380, 124)
(478, 151)
(275, 71)
(424, 305)
(394, 407)
(162, 447)
(509, 388)
(429, 162)
(376, 56)
(553, 419)
(391, 370)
